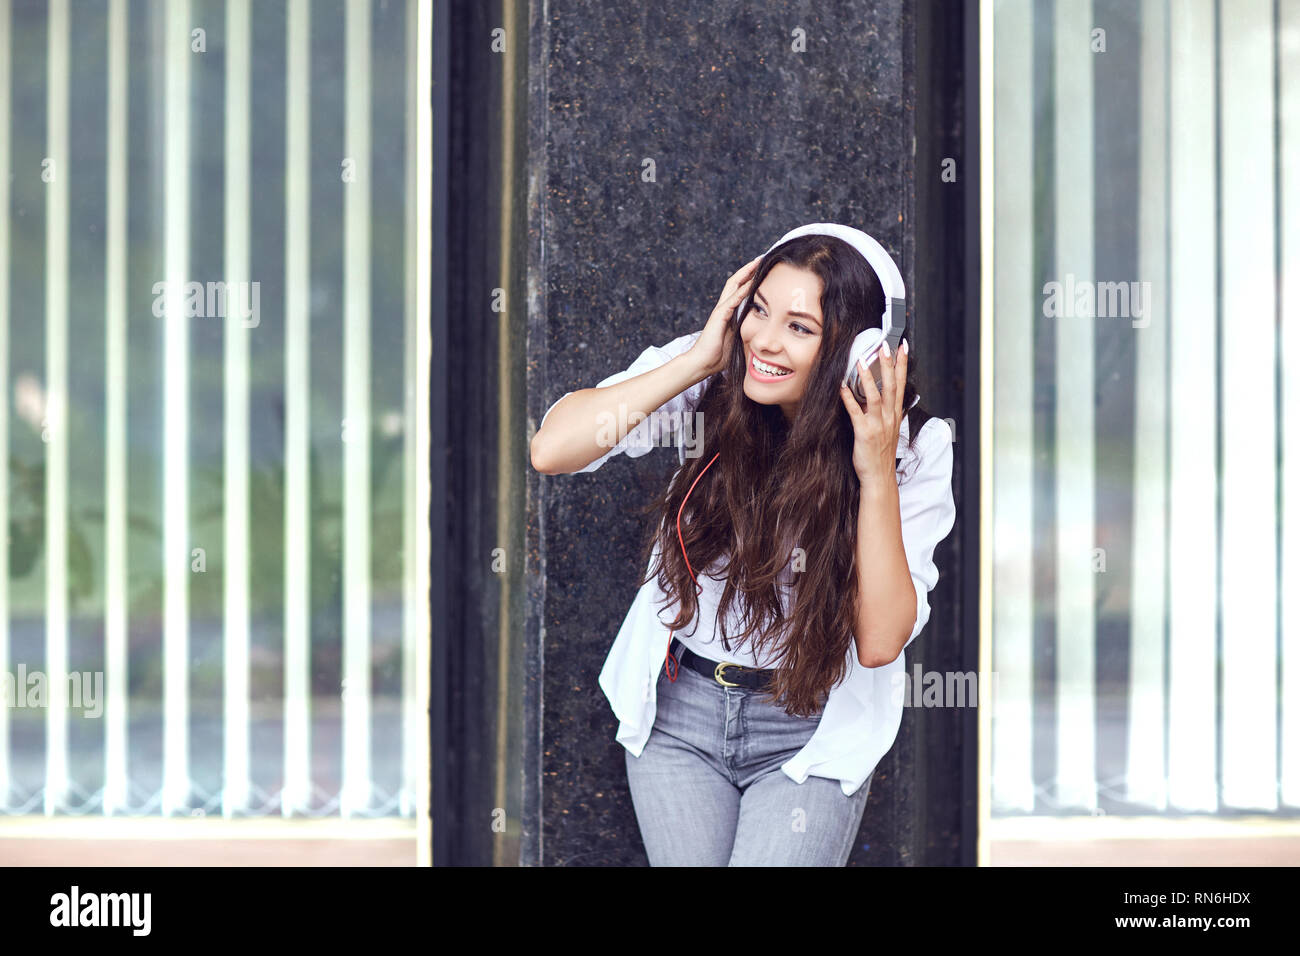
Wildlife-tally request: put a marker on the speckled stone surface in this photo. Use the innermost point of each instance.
(747, 139)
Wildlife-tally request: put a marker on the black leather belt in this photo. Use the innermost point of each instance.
(724, 672)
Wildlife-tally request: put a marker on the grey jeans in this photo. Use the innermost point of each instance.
(708, 788)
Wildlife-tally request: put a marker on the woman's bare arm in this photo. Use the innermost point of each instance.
(571, 437)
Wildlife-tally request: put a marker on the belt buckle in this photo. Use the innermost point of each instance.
(717, 674)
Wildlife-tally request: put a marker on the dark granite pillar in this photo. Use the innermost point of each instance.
(754, 118)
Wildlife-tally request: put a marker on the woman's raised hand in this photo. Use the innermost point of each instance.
(876, 427)
(714, 344)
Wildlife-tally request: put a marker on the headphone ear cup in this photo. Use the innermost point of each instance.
(852, 383)
(866, 342)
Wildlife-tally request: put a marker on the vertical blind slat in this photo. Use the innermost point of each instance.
(1248, 419)
(116, 709)
(56, 448)
(1016, 305)
(1193, 359)
(1075, 388)
(1289, 345)
(356, 401)
(297, 388)
(235, 612)
(1145, 765)
(176, 432)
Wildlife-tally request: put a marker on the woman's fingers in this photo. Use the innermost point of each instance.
(851, 404)
(900, 380)
(869, 387)
(737, 285)
(887, 373)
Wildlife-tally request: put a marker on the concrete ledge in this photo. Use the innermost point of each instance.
(1144, 841)
(212, 841)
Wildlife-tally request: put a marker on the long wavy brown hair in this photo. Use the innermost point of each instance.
(773, 476)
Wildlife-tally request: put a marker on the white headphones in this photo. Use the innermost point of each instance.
(892, 320)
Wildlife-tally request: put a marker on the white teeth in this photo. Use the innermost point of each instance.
(769, 369)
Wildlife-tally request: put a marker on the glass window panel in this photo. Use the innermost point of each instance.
(209, 415)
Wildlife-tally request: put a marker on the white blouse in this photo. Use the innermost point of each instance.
(862, 714)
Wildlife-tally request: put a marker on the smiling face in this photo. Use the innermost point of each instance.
(782, 334)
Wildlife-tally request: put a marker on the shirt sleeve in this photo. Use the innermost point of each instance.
(928, 512)
(661, 426)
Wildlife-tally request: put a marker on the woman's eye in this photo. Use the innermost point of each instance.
(794, 325)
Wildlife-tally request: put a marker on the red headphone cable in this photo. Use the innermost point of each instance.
(670, 663)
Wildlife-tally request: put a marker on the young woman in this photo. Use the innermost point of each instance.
(757, 677)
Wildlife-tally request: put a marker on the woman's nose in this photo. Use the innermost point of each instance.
(764, 341)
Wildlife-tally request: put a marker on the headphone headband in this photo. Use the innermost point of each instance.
(891, 279)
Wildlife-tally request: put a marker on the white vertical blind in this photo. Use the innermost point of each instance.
(1075, 450)
(116, 712)
(356, 406)
(1289, 346)
(235, 732)
(297, 382)
(55, 426)
(1017, 305)
(176, 410)
(1193, 363)
(1248, 601)
(1145, 768)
